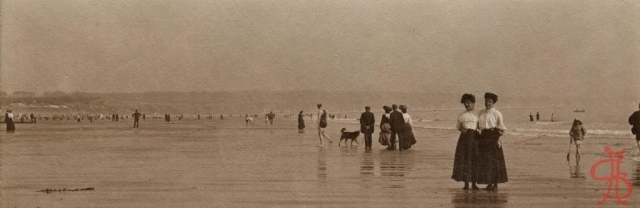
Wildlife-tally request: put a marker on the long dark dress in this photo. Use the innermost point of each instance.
(407, 137)
(11, 127)
(492, 165)
(300, 122)
(465, 164)
(385, 130)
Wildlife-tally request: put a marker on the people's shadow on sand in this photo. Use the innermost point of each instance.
(575, 172)
(462, 198)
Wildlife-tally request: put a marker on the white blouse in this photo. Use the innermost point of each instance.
(10, 115)
(467, 120)
(490, 119)
(407, 119)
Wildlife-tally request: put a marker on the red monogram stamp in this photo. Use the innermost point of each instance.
(614, 178)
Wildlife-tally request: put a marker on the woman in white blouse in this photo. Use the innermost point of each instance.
(492, 164)
(465, 164)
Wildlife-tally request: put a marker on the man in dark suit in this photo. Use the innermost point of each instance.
(397, 125)
(136, 119)
(367, 120)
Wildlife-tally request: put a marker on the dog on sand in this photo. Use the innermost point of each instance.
(349, 135)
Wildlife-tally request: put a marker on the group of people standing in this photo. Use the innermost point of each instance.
(479, 158)
(538, 117)
(396, 125)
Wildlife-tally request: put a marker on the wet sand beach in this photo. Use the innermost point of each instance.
(223, 163)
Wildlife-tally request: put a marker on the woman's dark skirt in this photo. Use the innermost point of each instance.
(300, 124)
(492, 164)
(465, 164)
(411, 138)
(406, 138)
(11, 127)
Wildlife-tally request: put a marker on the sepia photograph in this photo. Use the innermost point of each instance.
(319, 103)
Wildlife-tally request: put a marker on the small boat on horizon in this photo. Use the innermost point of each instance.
(578, 111)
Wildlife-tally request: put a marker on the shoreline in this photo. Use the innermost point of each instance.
(220, 163)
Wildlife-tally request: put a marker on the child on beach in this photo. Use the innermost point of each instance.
(576, 135)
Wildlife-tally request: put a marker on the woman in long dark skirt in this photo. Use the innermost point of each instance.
(385, 127)
(408, 137)
(8, 118)
(492, 164)
(465, 164)
(301, 122)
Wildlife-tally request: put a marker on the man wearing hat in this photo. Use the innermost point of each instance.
(367, 120)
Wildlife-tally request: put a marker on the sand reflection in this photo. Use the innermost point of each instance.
(635, 176)
(367, 169)
(322, 165)
(394, 166)
(462, 198)
(574, 170)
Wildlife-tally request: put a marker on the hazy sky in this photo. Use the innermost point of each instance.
(509, 47)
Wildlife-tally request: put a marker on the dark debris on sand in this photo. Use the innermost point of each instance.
(48, 191)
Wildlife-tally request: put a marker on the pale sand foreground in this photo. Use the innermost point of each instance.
(213, 163)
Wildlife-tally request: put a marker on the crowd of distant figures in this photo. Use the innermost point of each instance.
(34, 118)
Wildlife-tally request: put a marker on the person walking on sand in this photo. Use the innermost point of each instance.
(367, 120)
(301, 122)
(531, 117)
(396, 120)
(8, 119)
(465, 164)
(492, 164)
(322, 124)
(634, 120)
(136, 119)
(576, 134)
(537, 116)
